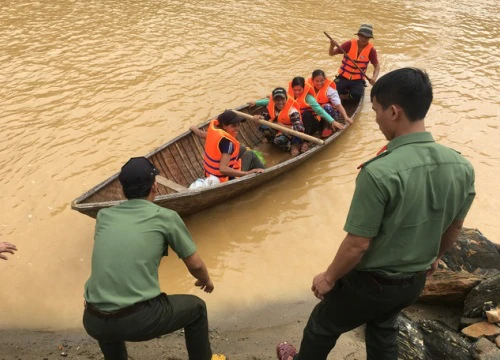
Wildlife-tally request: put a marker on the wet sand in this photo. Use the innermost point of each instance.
(233, 337)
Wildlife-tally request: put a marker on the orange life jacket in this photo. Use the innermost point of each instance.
(284, 115)
(321, 95)
(212, 155)
(301, 101)
(348, 69)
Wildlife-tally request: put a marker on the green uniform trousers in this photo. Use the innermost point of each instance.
(159, 316)
(356, 299)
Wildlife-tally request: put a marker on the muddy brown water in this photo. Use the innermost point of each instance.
(87, 85)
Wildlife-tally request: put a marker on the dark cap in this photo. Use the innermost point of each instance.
(138, 174)
(366, 30)
(229, 117)
(279, 92)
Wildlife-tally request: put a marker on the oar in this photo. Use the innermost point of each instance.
(280, 128)
(362, 72)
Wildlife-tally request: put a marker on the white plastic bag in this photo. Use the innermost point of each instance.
(204, 182)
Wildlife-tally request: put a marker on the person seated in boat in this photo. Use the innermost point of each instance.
(350, 80)
(328, 98)
(224, 156)
(282, 109)
(304, 94)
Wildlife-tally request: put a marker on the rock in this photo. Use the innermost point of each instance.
(497, 341)
(443, 342)
(410, 339)
(449, 287)
(464, 322)
(486, 272)
(486, 291)
(498, 247)
(493, 316)
(481, 329)
(471, 251)
(485, 350)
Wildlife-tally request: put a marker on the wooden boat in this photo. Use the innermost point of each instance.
(181, 162)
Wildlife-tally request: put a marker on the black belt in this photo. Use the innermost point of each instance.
(129, 310)
(393, 280)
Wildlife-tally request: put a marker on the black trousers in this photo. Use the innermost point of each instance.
(354, 88)
(161, 315)
(359, 299)
(311, 124)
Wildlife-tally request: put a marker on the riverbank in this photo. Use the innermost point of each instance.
(249, 336)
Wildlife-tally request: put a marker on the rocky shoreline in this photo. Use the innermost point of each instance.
(468, 277)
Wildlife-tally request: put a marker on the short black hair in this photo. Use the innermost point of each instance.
(409, 88)
(134, 192)
(298, 80)
(318, 72)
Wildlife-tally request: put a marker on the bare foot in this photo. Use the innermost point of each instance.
(304, 147)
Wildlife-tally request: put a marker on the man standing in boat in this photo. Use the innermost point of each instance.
(407, 210)
(350, 79)
(123, 301)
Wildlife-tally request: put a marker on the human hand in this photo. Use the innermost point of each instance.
(251, 103)
(349, 120)
(433, 268)
(333, 43)
(337, 125)
(321, 285)
(258, 117)
(205, 285)
(298, 126)
(372, 81)
(6, 247)
(255, 171)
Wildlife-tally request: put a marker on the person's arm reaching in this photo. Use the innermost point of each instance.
(348, 256)
(6, 247)
(260, 102)
(335, 101)
(197, 268)
(334, 48)
(376, 70)
(198, 132)
(311, 101)
(448, 238)
(342, 111)
(225, 169)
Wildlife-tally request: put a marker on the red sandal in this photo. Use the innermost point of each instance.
(285, 350)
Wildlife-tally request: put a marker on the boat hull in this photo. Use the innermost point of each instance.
(181, 161)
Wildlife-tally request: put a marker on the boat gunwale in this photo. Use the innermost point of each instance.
(77, 205)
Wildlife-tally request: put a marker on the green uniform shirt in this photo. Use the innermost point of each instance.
(130, 240)
(405, 199)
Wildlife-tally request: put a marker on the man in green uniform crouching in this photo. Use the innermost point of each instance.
(123, 301)
(407, 210)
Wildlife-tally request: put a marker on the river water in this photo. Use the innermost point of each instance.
(88, 84)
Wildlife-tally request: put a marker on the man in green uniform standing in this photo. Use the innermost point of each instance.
(407, 210)
(123, 301)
